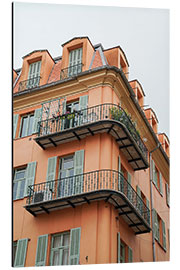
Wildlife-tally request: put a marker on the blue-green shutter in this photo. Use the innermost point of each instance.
(37, 117)
(167, 195)
(130, 255)
(156, 225)
(51, 172)
(78, 169)
(30, 176)
(119, 175)
(21, 253)
(139, 199)
(74, 253)
(160, 183)
(83, 105)
(153, 172)
(41, 250)
(164, 234)
(15, 121)
(118, 247)
(129, 189)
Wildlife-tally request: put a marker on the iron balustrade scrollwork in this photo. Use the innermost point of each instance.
(71, 71)
(89, 115)
(84, 183)
(28, 84)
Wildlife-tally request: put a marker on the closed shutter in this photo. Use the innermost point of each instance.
(130, 255)
(78, 169)
(51, 172)
(37, 118)
(118, 247)
(30, 175)
(15, 121)
(139, 199)
(83, 105)
(160, 183)
(75, 60)
(167, 195)
(75, 236)
(21, 253)
(119, 175)
(164, 234)
(129, 190)
(41, 250)
(33, 75)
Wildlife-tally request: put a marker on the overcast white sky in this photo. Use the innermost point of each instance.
(143, 34)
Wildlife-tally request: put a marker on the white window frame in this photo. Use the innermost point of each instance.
(27, 127)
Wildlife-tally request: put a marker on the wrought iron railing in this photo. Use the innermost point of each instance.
(28, 84)
(90, 115)
(87, 182)
(70, 71)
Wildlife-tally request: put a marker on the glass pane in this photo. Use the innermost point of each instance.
(71, 172)
(68, 164)
(55, 260)
(22, 185)
(15, 185)
(65, 257)
(66, 240)
(57, 241)
(24, 126)
(31, 119)
(63, 174)
(19, 174)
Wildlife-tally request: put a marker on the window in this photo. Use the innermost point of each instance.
(75, 62)
(125, 253)
(34, 74)
(60, 249)
(19, 183)
(72, 119)
(19, 249)
(159, 230)
(23, 178)
(157, 178)
(14, 251)
(66, 170)
(26, 128)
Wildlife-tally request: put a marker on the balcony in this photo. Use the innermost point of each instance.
(71, 71)
(108, 118)
(28, 84)
(108, 185)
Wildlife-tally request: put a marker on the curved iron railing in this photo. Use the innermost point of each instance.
(71, 71)
(28, 84)
(89, 115)
(87, 182)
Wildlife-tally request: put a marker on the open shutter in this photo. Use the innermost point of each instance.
(15, 121)
(75, 236)
(153, 173)
(41, 250)
(51, 172)
(139, 199)
(78, 169)
(63, 120)
(160, 183)
(30, 175)
(21, 253)
(167, 195)
(156, 225)
(118, 247)
(119, 175)
(83, 104)
(129, 190)
(130, 255)
(37, 117)
(164, 234)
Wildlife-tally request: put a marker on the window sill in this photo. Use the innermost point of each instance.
(160, 245)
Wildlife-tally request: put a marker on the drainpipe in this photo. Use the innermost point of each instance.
(151, 176)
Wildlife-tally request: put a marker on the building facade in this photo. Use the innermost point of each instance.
(90, 170)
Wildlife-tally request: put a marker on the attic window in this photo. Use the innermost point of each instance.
(75, 62)
(34, 74)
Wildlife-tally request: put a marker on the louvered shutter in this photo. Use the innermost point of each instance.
(118, 247)
(20, 256)
(139, 199)
(63, 120)
(130, 255)
(41, 250)
(78, 169)
(119, 175)
(83, 105)
(33, 75)
(167, 195)
(154, 173)
(30, 175)
(75, 236)
(156, 225)
(37, 117)
(164, 234)
(75, 60)
(160, 183)
(15, 121)
(51, 172)
(129, 190)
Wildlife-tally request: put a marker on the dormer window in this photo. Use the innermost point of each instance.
(75, 62)
(34, 74)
